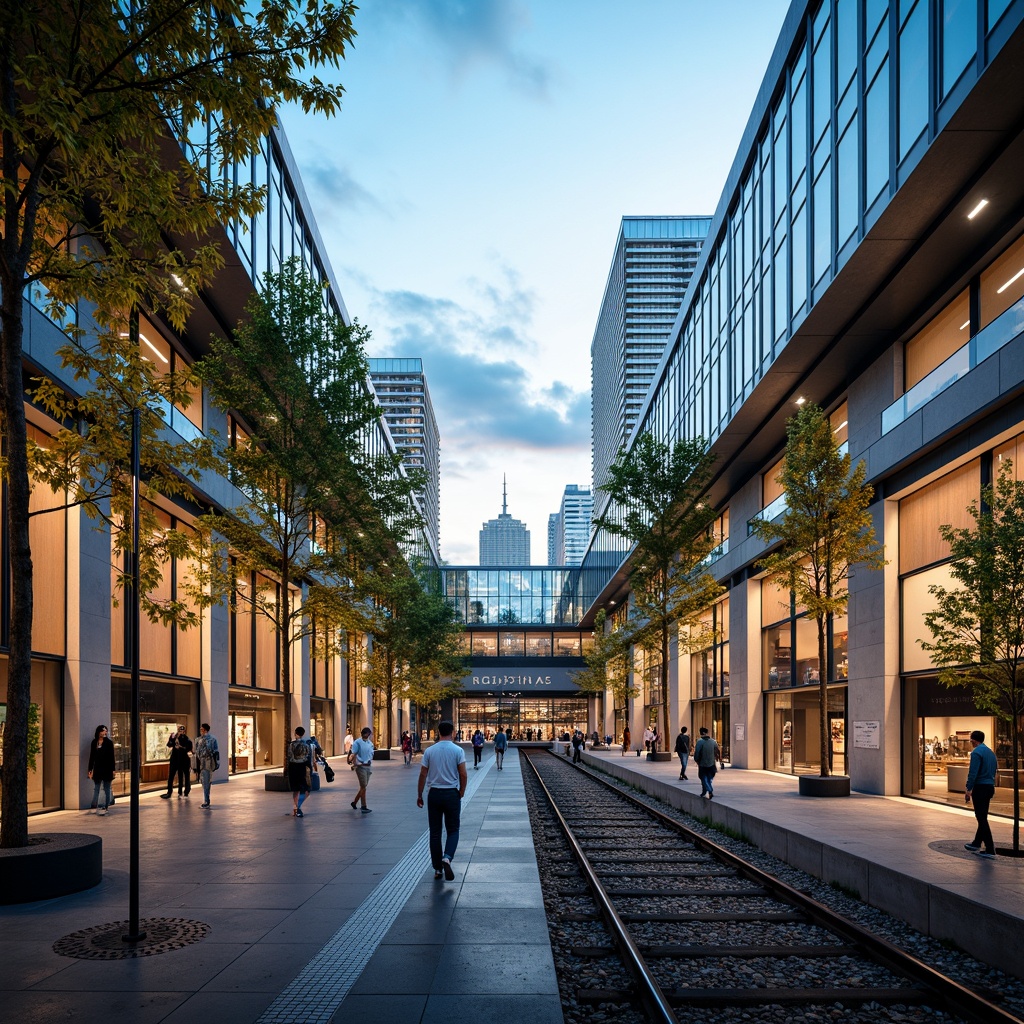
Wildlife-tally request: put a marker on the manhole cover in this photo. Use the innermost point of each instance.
(104, 942)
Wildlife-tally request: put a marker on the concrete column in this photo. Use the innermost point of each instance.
(746, 699)
(87, 673)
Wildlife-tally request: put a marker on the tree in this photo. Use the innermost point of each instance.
(825, 531)
(659, 503)
(98, 105)
(414, 640)
(296, 375)
(978, 626)
(607, 662)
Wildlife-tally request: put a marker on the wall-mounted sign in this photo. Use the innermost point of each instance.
(865, 735)
(740, 732)
(522, 678)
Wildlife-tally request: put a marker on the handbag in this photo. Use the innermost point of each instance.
(315, 782)
(328, 772)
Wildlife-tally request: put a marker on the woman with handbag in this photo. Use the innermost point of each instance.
(101, 769)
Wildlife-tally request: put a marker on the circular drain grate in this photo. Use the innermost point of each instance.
(104, 942)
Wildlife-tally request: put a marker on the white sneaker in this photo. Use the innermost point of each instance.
(102, 811)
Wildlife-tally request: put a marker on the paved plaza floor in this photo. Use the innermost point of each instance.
(304, 914)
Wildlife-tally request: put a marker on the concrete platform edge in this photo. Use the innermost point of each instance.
(992, 936)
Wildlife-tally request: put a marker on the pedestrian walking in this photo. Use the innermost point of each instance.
(207, 758)
(648, 736)
(300, 770)
(478, 748)
(655, 739)
(981, 787)
(362, 761)
(443, 773)
(683, 750)
(625, 741)
(500, 746)
(179, 764)
(705, 755)
(346, 745)
(101, 769)
(407, 748)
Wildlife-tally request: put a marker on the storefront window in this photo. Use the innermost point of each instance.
(530, 719)
(46, 699)
(793, 734)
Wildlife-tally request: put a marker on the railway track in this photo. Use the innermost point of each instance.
(696, 927)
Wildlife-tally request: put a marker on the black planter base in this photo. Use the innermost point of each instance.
(660, 755)
(275, 782)
(828, 785)
(54, 864)
(382, 755)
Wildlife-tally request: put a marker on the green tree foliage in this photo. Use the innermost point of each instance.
(977, 626)
(825, 531)
(295, 375)
(114, 189)
(660, 505)
(607, 662)
(414, 649)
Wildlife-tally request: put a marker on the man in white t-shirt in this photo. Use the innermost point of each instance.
(444, 773)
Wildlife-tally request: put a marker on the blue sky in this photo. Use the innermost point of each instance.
(469, 195)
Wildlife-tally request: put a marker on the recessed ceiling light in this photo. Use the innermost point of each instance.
(999, 291)
(966, 323)
(801, 400)
(982, 203)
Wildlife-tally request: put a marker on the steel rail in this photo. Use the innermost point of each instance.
(651, 995)
(968, 1004)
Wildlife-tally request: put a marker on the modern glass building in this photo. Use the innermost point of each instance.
(401, 388)
(226, 671)
(569, 528)
(651, 267)
(867, 253)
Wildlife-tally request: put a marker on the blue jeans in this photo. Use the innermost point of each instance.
(105, 783)
(443, 805)
(205, 777)
(707, 781)
(683, 760)
(981, 797)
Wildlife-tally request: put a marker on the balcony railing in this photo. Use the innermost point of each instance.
(1006, 327)
(176, 419)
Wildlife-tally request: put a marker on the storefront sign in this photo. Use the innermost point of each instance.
(865, 735)
(937, 701)
(522, 678)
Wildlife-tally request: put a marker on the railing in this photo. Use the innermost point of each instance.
(176, 419)
(770, 511)
(1005, 328)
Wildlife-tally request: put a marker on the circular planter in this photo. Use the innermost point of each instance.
(276, 782)
(824, 785)
(53, 864)
(660, 755)
(382, 755)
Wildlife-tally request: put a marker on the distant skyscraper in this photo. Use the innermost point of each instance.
(554, 529)
(402, 392)
(653, 262)
(573, 526)
(504, 541)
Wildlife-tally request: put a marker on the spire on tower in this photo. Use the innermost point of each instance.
(504, 495)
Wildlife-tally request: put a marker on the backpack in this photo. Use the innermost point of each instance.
(298, 751)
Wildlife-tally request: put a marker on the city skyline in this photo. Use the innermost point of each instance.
(470, 197)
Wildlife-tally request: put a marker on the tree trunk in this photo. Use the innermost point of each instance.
(663, 727)
(14, 809)
(1016, 782)
(284, 620)
(826, 736)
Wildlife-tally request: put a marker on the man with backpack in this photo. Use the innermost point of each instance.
(500, 746)
(207, 755)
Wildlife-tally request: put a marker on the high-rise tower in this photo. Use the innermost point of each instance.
(569, 527)
(504, 541)
(401, 389)
(651, 268)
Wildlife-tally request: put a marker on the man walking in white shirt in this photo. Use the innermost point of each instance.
(444, 773)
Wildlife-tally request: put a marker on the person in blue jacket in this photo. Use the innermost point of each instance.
(981, 787)
(500, 746)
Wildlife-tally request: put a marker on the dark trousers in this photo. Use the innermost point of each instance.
(477, 751)
(981, 797)
(444, 806)
(184, 774)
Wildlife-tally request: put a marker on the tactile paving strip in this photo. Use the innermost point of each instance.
(106, 942)
(323, 983)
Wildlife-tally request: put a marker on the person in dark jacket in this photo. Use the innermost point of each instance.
(180, 763)
(683, 750)
(101, 769)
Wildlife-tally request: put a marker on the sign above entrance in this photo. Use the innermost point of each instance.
(520, 678)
